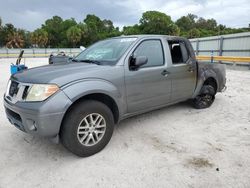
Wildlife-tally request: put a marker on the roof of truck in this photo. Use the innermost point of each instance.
(150, 36)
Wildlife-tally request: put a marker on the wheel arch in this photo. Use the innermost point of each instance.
(205, 78)
(211, 81)
(101, 97)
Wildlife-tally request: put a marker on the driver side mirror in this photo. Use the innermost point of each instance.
(137, 62)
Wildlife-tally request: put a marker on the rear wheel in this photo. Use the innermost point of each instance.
(87, 128)
(206, 97)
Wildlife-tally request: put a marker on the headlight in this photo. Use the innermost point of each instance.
(40, 92)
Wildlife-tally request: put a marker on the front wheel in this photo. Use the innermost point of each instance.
(206, 97)
(87, 128)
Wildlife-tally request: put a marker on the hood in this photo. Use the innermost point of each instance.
(59, 74)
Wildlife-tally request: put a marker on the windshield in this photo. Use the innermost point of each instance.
(107, 51)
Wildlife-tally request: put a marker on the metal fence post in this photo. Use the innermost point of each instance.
(221, 46)
(212, 56)
(197, 47)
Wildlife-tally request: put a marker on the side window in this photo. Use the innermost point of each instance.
(153, 50)
(178, 52)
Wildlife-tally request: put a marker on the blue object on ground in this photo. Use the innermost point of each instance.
(16, 68)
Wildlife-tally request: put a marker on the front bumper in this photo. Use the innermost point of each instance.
(38, 118)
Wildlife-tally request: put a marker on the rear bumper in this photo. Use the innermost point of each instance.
(38, 118)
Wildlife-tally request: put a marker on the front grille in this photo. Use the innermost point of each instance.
(25, 92)
(17, 91)
(13, 88)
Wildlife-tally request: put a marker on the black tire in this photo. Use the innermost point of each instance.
(206, 97)
(69, 135)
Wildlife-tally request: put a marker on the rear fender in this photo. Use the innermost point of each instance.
(202, 77)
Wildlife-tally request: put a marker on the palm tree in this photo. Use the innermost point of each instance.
(74, 35)
(40, 38)
(15, 40)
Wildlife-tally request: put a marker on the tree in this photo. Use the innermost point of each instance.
(194, 33)
(53, 27)
(108, 25)
(154, 22)
(39, 38)
(74, 35)
(12, 37)
(56, 32)
(65, 25)
(6, 30)
(209, 24)
(15, 40)
(96, 29)
(131, 30)
(186, 23)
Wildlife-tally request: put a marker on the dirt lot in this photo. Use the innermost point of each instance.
(176, 146)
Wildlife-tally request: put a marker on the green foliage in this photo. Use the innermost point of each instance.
(65, 25)
(131, 30)
(74, 35)
(186, 23)
(39, 38)
(194, 33)
(56, 32)
(6, 30)
(97, 29)
(154, 22)
(53, 27)
(13, 37)
(192, 27)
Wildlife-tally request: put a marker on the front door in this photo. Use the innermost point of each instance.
(149, 86)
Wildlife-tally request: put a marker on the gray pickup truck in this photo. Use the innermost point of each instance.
(79, 103)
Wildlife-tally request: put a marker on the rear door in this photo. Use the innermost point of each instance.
(182, 71)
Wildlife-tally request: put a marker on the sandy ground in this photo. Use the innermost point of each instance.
(177, 146)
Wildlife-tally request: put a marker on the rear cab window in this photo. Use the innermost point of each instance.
(178, 51)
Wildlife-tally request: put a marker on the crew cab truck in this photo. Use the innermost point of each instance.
(79, 103)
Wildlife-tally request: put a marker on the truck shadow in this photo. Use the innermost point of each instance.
(165, 111)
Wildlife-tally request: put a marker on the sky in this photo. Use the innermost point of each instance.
(30, 14)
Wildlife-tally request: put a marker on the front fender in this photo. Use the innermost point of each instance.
(78, 89)
(202, 77)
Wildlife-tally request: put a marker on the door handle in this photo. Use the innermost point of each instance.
(165, 73)
(190, 69)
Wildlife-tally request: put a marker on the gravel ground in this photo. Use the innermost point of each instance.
(177, 146)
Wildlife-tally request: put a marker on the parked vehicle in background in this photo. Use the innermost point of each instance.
(61, 57)
(80, 102)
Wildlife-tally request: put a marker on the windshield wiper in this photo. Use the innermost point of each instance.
(87, 61)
